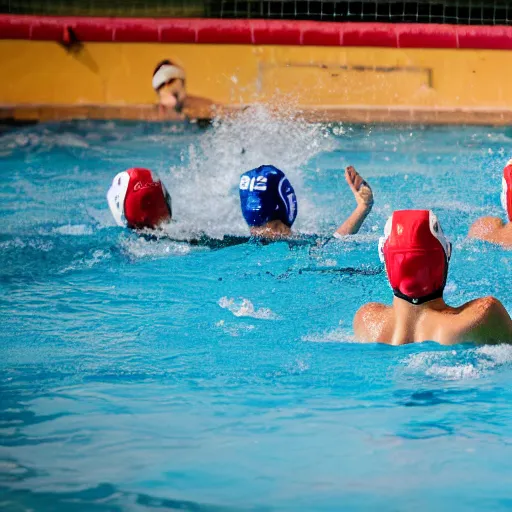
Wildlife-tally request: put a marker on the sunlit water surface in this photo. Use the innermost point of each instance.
(145, 374)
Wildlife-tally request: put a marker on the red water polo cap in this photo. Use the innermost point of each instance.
(138, 201)
(506, 192)
(416, 255)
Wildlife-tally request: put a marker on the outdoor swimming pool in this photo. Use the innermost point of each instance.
(141, 375)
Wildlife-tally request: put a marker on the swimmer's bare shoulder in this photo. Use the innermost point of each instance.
(196, 107)
(491, 229)
(373, 323)
(483, 320)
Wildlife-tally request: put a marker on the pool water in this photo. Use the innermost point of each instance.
(141, 374)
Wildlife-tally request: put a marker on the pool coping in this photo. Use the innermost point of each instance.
(325, 113)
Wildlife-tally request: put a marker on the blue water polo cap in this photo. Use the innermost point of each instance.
(266, 195)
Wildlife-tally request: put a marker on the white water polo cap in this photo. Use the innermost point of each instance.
(138, 201)
(416, 254)
(166, 73)
(506, 191)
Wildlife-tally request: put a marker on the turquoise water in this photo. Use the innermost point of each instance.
(144, 374)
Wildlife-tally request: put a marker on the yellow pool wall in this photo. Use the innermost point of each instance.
(318, 78)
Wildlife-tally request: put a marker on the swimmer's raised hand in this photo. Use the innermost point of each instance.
(364, 198)
(361, 190)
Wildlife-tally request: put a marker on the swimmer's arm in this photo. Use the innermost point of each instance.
(364, 199)
(493, 323)
(352, 225)
(485, 228)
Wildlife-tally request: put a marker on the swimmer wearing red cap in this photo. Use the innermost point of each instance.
(416, 254)
(493, 229)
(138, 201)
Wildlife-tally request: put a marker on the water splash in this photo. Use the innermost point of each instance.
(234, 330)
(339, 335)
(206, 185)
(98, 256)
(42, 140)
(140, 247)
(74, 230)
(461, 363)
(246, 308)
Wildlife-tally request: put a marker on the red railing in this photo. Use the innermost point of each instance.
(256, 32)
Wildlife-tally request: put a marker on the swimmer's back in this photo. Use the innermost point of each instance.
(492, 229)
(482, 320)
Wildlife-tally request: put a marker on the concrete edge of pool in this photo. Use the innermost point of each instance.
(331, 113)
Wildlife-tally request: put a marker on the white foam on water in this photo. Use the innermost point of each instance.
(358, 238)
(37, 244)
(234, 330)
(102, 217)
(69, 140)
(12, 467)
(140, 247)
(15, 243)
(338, 335)
(45, 140)
(457, 206)
(74, 230)
(328, 262)
(205, 188)
(244, 307)
(96, 257)
(459, 364)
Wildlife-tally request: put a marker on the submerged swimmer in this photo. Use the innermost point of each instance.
(416, 254)
(493, 229)
(269, 204)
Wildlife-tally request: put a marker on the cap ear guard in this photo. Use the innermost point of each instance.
(504, 195)
(437, 231)
(382, 239)
(289, 201)
(116, 196)
(506, 190)
(167, 196)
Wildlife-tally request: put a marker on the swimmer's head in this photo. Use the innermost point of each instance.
(416, 254)
(169, 83)
(138, 201)
(266, 195)
(506, 192)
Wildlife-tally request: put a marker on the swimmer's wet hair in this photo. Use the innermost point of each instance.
(165, 62)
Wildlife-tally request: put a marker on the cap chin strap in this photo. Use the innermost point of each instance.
(416, 301)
